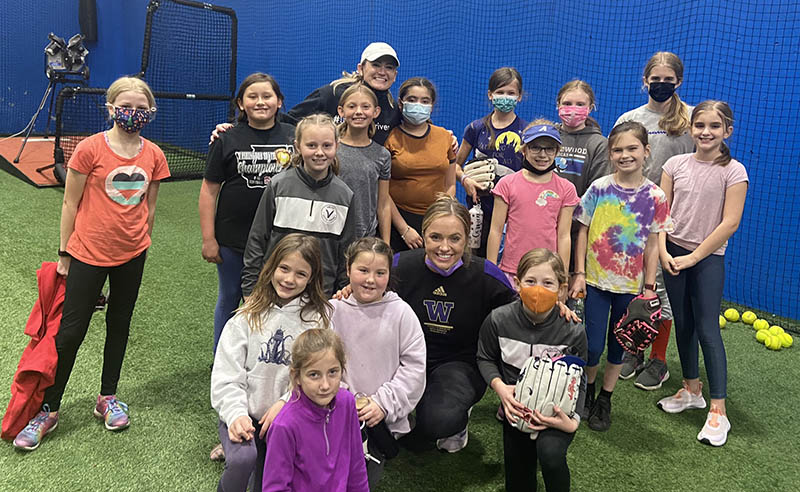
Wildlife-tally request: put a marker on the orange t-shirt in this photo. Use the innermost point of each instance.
(419, 167)
(111, 221)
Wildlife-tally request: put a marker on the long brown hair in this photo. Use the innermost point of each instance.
(501, 77)
(316, 119)
(255, 78)
(264, 296)
(676, 119)
(726, 114)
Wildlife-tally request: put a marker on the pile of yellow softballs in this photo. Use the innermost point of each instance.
(773, 337)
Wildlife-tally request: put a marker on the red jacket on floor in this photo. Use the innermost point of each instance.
(37, 366)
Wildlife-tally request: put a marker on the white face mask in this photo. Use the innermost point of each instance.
(417, 113)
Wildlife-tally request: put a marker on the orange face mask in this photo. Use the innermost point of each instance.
(538, 299)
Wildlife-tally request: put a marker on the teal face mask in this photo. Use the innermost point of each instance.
(504, 104)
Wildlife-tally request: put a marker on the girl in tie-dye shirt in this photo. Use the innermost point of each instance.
(616, 254)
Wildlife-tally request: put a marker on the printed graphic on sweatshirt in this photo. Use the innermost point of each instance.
(275, 350)
(258, 165)
(126, 185)
(571, 160)
(438, 315)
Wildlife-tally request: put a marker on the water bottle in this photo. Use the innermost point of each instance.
(476, 226)
(578, 307)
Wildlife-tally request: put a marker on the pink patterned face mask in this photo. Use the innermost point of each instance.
(573, 116)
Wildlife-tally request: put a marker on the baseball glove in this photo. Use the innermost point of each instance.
(482, 171)
(544, 384)
(639, 326)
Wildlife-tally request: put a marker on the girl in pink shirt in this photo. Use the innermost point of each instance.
(706, 191)
(106, 223)
(536, 203)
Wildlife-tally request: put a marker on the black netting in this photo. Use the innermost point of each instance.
(189, 47)
(180, 127)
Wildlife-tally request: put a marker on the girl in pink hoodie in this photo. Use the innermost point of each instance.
(385, 348)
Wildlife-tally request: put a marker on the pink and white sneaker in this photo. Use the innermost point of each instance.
(715, 431)
(682, 400)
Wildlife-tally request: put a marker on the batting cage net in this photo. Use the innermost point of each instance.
(742, 52)
(81, 112)
(189, 47)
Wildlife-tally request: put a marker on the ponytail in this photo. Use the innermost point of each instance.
(676, 119)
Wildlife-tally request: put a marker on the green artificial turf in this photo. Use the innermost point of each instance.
(166, 373)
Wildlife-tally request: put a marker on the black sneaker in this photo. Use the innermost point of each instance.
(600, 418)
(587, 407)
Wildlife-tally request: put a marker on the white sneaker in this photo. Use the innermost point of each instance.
(682, 400)
(454, 443)
(715, 431)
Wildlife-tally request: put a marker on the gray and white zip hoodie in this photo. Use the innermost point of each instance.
(295, 202)
(508, 338)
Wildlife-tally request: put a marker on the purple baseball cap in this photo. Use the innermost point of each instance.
(537, 131)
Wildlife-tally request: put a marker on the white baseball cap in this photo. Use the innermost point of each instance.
(377, 50)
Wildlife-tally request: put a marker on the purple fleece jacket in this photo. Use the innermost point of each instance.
(311, 448)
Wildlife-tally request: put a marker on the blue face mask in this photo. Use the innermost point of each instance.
(417, 113)
(504, 104)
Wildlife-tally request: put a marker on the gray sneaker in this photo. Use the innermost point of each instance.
(632, 365)
(653, 376)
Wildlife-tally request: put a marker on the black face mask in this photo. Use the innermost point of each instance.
(661, 91)
(527, 165)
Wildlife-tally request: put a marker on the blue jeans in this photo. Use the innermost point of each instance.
(696, 295)
(599, 324)
(230, 289)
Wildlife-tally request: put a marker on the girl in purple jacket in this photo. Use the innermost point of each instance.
(315, 442)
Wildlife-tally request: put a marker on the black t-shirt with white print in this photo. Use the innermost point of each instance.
(244, 160)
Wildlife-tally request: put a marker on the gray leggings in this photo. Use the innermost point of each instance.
(242, 459)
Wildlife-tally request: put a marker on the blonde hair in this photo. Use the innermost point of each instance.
(584, 86)
(124, 84)
(358, 88)
(316, 119)
(357, 78)
(308, 346)
(540, 256)
(446, 206)
(264, 297)
(676, 119)
(726, 114)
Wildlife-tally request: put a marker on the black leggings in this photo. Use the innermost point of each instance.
(520, 455)
(451, 390)
(84, 284)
